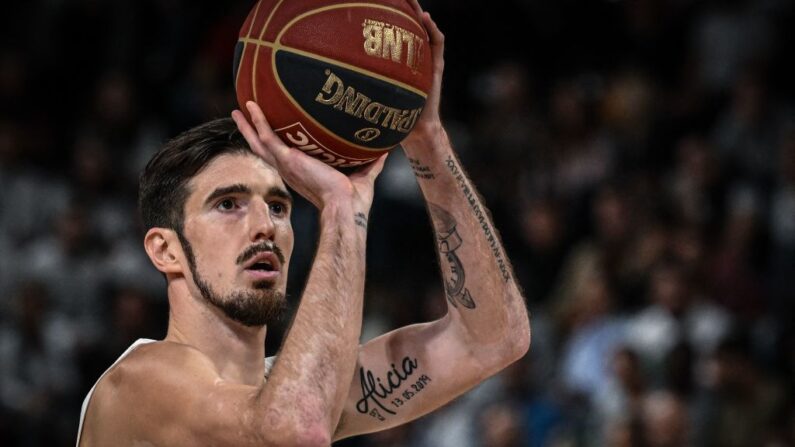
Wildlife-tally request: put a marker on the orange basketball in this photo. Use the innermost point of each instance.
(342, 81)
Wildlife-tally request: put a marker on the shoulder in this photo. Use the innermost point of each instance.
(153, 366)
(163, 354)
(147, 389)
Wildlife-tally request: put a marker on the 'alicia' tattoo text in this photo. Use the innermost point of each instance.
(375, 390)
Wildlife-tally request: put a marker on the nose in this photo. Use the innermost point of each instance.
(260, 225)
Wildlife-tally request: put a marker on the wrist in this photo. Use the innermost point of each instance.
(336, 211)
(338, 214)
(426, 137)
(343, 221)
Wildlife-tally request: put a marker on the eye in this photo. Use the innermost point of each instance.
(226, 205)
(277, 208)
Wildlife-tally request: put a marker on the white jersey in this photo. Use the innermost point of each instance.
(141, 341)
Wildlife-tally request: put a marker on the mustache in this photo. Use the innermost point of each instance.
(262, 247)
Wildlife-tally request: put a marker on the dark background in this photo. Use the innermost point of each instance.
(638, 157)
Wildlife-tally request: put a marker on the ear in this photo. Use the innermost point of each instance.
(164, 250)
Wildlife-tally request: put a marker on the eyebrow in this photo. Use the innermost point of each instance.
(276, 191)
(239, 188)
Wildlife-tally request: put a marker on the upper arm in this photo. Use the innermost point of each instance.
(407, 373)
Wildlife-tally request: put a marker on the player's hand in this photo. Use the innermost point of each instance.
(316, 181)
(429, 122)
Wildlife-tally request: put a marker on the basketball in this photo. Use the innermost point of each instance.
(341, 81)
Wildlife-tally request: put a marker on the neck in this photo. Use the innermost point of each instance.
(237, 351)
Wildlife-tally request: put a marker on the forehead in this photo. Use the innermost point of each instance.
(234, 168)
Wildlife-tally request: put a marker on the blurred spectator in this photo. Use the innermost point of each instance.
(114, 114)
(689, 247)
(523, 400)
(541, 249)
(747, 133)
(456, 424)
(509, 128)
(650, 243)
(735, 281)
(604, 253)
(14, 75)
(679, 371)
(38, 377)
(96, 190)
(729, 35)
(71, 264)
(628, 109)
(740, 404)
(394, 437)
(666, 422)
(782, 235)
(618, 403)
(30, 199)
(502, 137)
(595, 336)
(624, 433)
(501, 426)
(694, 186)
(583, 155)
(676, 314)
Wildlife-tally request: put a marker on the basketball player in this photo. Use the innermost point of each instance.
(217, 213)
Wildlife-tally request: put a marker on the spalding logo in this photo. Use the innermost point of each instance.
(367, 134)
(299, 137)
(358, 105)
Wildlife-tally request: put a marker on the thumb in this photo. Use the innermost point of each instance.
(372, 170)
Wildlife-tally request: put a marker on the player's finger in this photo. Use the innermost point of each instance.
(417, 8)
(377, 166)
(252, 137)
(436, 35)
(266, 134)
(371, 170)
(437, 46)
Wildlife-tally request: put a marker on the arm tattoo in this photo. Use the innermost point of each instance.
(360, 219)
(482, 215)
(421, 171)
(449, 242)
(375, 390)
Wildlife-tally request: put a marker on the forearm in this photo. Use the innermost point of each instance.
(483, 296)
(310, 381)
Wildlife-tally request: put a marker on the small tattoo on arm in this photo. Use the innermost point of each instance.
(449, 242)
(360, 219)
(375, 390)
(408, 394)
(421, 171)
(377, 414)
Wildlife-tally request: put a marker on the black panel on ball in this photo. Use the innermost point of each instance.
(362, 110)
(236, 62)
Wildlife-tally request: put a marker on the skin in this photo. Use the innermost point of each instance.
(204, 384)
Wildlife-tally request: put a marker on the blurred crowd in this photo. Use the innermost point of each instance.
(638, 157)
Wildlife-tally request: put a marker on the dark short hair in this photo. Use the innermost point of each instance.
(163, 185)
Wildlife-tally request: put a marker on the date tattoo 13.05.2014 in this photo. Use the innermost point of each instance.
(380, 392)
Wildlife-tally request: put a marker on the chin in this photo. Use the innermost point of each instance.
(264, 285)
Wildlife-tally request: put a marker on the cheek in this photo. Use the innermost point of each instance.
(212, 248)
(285, 236)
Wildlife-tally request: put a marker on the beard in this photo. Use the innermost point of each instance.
(252, 308)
